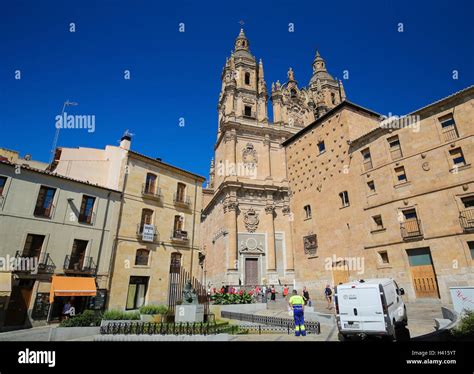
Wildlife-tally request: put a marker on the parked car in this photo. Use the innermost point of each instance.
(373, 307)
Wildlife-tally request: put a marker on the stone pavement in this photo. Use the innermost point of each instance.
(421, 317)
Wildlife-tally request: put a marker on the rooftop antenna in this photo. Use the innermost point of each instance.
(56, 135)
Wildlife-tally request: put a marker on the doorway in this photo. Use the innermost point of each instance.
(423, 273)
(19, 302)
(251, 271)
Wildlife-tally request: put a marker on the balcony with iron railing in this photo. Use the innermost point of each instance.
(151, 192)
(79, 265)
(179, 236)
(24, 263)
(182, 200)
(87, 219)
(466, 218)
(140, 233)
(44, 212)
(411, 230)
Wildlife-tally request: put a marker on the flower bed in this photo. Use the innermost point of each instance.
(241, 297)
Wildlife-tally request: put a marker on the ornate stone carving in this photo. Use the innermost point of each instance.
(269, 209)
(229, 136)
(251, 246)
(231, 206)
(249, 154)
(310, 244)
(286, 210)
(251, 220)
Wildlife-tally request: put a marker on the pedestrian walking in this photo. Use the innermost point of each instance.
(285, 291)
(297, 305)
(328, 295)
(306, 298)
(273, 292)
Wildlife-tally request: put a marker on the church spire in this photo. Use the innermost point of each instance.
(241, 43)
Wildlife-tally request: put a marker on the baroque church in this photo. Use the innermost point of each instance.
(247, 224)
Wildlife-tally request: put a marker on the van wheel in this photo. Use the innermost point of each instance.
(342, 337)
(402, 333)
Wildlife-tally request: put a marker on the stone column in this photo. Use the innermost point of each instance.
(267, 143)
(271, 255)
(290, 264)
(231, 223)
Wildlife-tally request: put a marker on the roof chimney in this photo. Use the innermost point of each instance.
(126, 140)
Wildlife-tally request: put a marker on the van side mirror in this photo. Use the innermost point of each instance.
(401, 291)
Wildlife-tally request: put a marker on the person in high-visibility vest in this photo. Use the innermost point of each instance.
(297, 305)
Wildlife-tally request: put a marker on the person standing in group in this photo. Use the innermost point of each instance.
(264, 294)
(273, 291)
(297, 305)
(328, 295)
(285, 291)
(306, 298)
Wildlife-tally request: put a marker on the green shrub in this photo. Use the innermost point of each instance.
(87, 319)
(154, 309)
(465, 328)
(115, 315)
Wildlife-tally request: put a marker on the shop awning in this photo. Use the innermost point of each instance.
(5, 283)
(72, 286)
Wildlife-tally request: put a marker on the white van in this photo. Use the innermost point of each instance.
(371, 307)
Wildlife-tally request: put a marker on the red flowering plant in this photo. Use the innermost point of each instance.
(242, 297)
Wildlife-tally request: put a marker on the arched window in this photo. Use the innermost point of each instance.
(141, 256)
(247, 78)
(293, 93)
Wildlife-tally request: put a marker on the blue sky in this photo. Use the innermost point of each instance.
(176, 75)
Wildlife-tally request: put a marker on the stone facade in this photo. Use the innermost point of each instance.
(150, 196)
(50, 235)
(385, 198)
(246, 224)
(167, 243)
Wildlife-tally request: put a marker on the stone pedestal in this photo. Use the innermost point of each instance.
(189, 313)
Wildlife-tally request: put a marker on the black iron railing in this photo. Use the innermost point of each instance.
(80, 265)
(45, 263)
(285, 323)
(411, 229)
(179, 199)
(179, 235)
(466, 217)
(151, 192)
(178, 278)
(140, 232)
(164, 328)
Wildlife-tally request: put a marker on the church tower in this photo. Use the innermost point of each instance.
(246, 225)
(298, 107)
